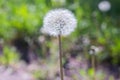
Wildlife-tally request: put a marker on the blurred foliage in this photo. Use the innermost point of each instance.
(100, 75)
(24, 18)
(9, 56)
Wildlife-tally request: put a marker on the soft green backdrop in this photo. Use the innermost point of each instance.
(24, 18)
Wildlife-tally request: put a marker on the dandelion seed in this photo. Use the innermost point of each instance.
(59, 22)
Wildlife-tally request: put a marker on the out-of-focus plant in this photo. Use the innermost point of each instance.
(9, 56)
(100, 75)
(23, 19)
(40, 75)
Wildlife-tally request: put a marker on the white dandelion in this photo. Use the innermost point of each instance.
(104, 6)
(59, 22)
(95, 50)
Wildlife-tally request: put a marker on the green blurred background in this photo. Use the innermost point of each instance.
(21, 21)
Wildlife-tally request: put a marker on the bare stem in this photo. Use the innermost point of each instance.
(60, 56)
(93, 66)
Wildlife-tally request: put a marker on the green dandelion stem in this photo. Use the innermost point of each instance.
(60, 56)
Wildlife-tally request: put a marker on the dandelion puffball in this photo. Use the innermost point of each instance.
(59, 22)
(104, 6)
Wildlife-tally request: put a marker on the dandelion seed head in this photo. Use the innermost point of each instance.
(104, 6)
(95, 49)
(59, 22)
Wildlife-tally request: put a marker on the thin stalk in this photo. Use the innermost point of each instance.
(60, 57)
(7, 61)
(93, 66)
